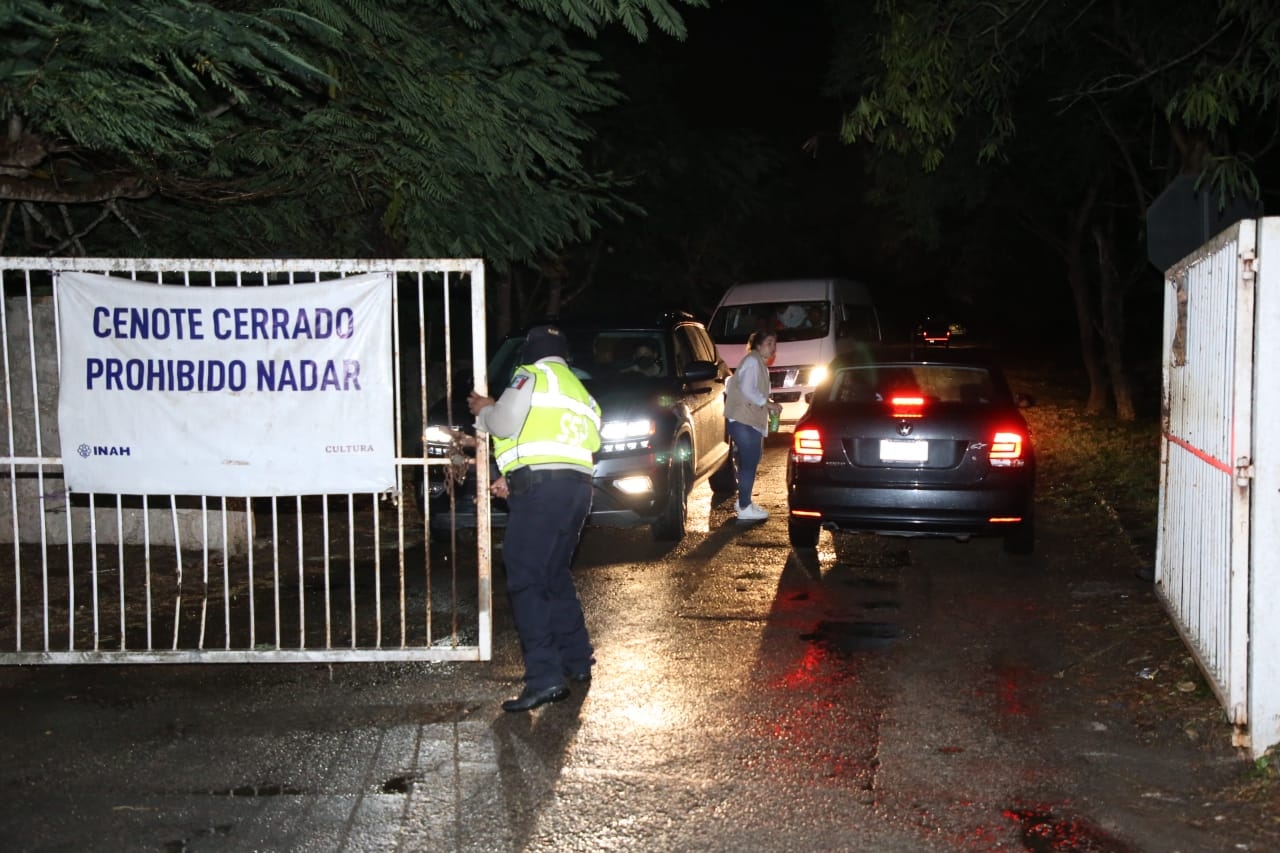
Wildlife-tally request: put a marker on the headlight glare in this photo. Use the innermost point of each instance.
(617, 436)
(437, 435)
(622, 430)
(636, 485)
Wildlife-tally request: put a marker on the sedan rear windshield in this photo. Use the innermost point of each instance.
(936, 383)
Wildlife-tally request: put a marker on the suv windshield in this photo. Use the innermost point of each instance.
(594, 355)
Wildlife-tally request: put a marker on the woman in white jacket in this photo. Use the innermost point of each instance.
(747, 407)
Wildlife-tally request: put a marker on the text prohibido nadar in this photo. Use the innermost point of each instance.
(222, 324)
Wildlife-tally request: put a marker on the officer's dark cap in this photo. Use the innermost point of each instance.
(543, 341)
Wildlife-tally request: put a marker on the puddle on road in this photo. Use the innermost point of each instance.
(870, 583)
(400, 784)
(258, 791)
(1045, 832)
(183, 845)
(880, 605)
(854, 636)
(888, 559)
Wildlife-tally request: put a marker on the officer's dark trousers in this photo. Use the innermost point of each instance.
(546, 512)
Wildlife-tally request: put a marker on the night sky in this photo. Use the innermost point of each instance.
(760, 64)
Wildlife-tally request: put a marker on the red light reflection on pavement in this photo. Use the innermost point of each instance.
(1014, 690)
(823, 723)
(806, 670)
(1044, 832)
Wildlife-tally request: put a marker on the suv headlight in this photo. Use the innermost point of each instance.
(817, 374)
(436, 440)
(618, 436)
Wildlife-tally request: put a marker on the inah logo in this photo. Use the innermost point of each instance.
(86, 450)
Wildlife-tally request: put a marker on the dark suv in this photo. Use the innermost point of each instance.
(660, 386)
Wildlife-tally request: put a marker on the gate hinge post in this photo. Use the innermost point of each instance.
(1244, 471)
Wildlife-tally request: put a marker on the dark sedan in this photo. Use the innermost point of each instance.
(913, 448)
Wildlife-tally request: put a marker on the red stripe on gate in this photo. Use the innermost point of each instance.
(1201, 455)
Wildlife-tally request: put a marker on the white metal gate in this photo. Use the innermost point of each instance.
(167, 579)
(1203, 558)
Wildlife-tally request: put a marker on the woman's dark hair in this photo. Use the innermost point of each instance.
(754, 339)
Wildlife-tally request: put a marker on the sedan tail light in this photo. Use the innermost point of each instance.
(806, 446)
(1007, 450)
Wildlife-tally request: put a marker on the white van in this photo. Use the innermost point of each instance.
(815, 320)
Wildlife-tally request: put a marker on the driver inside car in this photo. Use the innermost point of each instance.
(644, 361)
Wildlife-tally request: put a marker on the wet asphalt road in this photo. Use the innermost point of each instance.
(879, 695)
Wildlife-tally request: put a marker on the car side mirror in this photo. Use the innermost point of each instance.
(700, 371)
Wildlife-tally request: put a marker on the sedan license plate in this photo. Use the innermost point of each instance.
(903, 451)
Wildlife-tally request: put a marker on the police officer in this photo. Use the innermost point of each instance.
(545, 427)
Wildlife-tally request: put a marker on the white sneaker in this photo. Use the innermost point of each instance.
(752, 512)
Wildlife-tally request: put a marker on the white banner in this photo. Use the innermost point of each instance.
(227, 391)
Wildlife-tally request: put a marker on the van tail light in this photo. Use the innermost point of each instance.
(1008, 450)
(806, 445)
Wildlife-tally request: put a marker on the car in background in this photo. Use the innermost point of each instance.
(933, 332)
(913, 448)
(660, 386)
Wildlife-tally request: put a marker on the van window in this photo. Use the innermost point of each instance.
(732, 324)
(860, 323)
(791, 321)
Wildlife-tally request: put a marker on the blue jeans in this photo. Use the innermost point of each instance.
(748, 446)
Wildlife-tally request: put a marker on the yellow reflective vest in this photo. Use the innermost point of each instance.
(563, 425)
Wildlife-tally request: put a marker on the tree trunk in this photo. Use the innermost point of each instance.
(1111, 305)
(502, 302)
(1081, 294)
(555, 292)
(1093, 365)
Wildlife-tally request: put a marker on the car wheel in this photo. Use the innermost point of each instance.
(725, 478)
(803, 534)
(1022, 539)
(671, 524)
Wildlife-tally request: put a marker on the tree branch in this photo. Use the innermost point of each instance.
(1139, 79)
(36, 190)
